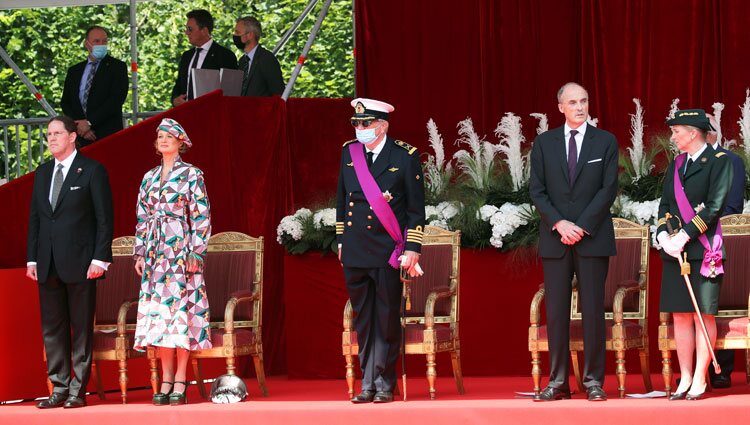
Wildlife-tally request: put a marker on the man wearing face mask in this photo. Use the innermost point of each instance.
(95, 90)
(262, 73)
(380, 221)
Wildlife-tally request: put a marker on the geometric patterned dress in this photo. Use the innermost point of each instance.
(173, 223)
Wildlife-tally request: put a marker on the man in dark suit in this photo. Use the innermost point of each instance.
(735, 205)
(95, 90)
(262, 72)
(379, 228)
(207, 54)
(69, 247)
(573, 185)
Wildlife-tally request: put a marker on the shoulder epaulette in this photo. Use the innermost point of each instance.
(409, 148)
(349, 142)
(720, 154)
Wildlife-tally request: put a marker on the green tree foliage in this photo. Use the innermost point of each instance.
(45, 42)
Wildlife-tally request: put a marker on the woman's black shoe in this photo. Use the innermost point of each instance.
(678, 396)
(175, 399)
(162, 399)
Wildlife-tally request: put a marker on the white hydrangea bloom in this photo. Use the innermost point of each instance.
(505, 220)
(324, 217)
(746, 209)
(654, 242)
(447, 210)
(431, 211)
(291, 226)
(302, 213)
(642, 212)
(439, 223)
(487, 211)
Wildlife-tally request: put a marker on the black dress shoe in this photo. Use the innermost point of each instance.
(721, 381)
(694, 396)
(678, 396)
(365, 396)
(383, 397)
(596, 393)
(54, 400)
(550, 394)
(74, 402)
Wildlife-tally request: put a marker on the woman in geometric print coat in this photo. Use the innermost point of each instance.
(171, 240)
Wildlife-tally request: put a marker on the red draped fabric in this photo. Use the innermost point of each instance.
(482, 58)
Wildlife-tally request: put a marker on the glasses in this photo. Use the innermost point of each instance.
(56, 134)
(363, 123)
(189, 29)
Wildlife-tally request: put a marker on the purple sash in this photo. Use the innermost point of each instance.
(712, 261)
(379, 205)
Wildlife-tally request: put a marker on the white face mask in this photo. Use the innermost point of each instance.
(366, 136)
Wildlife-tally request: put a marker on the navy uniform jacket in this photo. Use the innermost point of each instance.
(365, 242)
(707, 182)
(736, 197)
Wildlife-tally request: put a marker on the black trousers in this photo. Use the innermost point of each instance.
(67, 310)
(376, 299)
(592, 274)
(726, 361)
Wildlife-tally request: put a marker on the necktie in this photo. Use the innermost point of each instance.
(369, 159)
(193, 65)
(87, 87)
(572, 156)
(57, 183)
(687, 167)
(245, 68)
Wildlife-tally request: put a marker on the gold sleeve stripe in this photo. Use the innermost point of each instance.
(700, 224)
(661, 222)
(415, 241)
(720, 154)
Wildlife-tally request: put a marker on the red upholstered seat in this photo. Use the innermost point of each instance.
(106, 341)
(415, 333)
(244, 337)
(632, 330)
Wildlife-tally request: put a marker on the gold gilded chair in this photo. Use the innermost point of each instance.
(234, 285)
(625, 306)
(733, 320)
(432, 321)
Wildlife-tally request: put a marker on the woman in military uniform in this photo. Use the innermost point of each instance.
(694, 195)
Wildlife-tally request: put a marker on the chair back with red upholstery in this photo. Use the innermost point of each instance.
(234, 264)
(627, 269)
(735, 287)
(120, 283)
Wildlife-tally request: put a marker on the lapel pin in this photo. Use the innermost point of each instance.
(78, 171)
(704, 159)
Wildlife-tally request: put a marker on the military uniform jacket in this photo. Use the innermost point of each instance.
(706, 183)
(365, 242)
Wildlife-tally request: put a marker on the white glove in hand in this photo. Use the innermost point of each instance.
(680, 239)
(668, 245)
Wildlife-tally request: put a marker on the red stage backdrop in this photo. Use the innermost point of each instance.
(483, 58)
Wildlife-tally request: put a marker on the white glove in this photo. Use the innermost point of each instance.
(417, 269)
(668, 244)
(680, 239)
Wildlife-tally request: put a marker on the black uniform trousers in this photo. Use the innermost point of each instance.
(67, 310)
(592, 274)
(375, 294)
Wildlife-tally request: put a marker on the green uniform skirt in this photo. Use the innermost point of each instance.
(675, 297)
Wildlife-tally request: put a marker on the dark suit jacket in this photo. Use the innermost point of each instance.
(587, 203)
(217, 57)
(80, 228)
(108, 92)
(265, 75)
(365, 242)
(707, 182)
(736, 197)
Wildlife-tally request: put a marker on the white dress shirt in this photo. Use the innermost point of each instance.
(579, 138)
(66, 163)
(201, 57)
(694, 157)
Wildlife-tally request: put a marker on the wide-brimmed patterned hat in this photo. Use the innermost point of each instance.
(175, 129)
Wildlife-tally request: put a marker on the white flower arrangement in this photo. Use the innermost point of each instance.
(746, 208)
(505, 220)
(594, 122)
(642, 212)
(508, 130)
(292, 225)
(477, 163)
(324, 218)
(543, 124)
(641, 165)
(437, 171)
(440, 214)
(673, 108)
(744, 123)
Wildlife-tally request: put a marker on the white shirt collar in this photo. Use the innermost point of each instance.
(251, 53)
(698, 154)
(715, 145)
(581, 130)
(378, 148)
(67, 162)
(207, 45)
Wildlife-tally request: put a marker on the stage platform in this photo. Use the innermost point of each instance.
(488, 400)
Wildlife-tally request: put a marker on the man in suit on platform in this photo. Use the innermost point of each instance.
(380, 221)
(573, 185)
(735, 204)
(95, 90)
(69, 247)
(262, 72)
(207, 54)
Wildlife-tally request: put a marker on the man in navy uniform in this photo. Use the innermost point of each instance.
(380, 219)
(735, 204)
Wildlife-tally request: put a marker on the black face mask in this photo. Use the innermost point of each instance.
(237, 39)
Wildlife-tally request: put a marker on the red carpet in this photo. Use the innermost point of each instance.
(487, 400)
